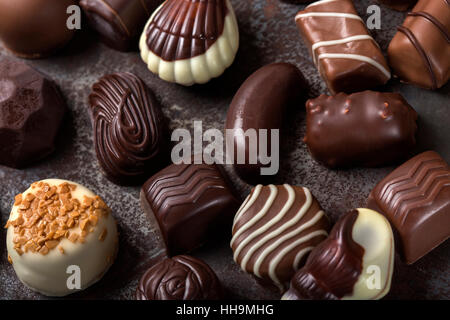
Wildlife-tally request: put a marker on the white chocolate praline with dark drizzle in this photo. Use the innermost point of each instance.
(56, 224)
(274, 231)
(190, 41)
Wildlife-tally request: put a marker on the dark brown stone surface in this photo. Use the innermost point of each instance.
(268, 34)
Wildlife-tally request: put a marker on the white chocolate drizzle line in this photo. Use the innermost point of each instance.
(260, 214)
(319, 2)
(328, 14)
(340, 41)
(356, 57)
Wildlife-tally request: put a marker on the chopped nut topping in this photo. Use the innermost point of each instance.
(9, 259)
(46, 214)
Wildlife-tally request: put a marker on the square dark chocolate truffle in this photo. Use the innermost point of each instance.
(416, 199)
(191, 203)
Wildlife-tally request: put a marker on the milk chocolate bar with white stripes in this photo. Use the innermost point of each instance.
(416, 199)
(274, 231)
(419, 52)
(347, 57)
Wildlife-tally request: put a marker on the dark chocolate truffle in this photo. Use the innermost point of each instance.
(129, 128)
(179, 278)
(191, 203)
(31, 113)
(119, 22)
(416, 199)
(367, 129)
(34, 28)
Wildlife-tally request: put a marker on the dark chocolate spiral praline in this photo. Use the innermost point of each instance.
(128, 128)
(179, 278)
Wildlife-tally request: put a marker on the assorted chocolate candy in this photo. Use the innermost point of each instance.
(179, 278)
(190, 41)
(190, 203)
(416, 199)
(261, 104)
(54, 225)
(275, 229)
(119, 22)
(129, 129)
(419, 52)
(34, 28)
(31, 113)
(362, 129)
(355, 262)
(347, 57)
(280, 232)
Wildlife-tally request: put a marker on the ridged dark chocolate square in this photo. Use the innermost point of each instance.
(190, 203)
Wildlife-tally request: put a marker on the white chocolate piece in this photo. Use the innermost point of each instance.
(373, 232)
(198, 69)
(47, 274)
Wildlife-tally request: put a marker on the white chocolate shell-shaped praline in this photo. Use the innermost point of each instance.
(190, 41)
(58, 229)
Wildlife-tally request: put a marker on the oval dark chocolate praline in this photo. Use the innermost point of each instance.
(129, 128)
(185, 29)
(261, 103)
(333, 267)
(179, 278)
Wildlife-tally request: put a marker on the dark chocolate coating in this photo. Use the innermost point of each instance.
(129, 128)
(342, 74)
(400, 5)
(119, 22)
(185, 29)
(368, 129)
(31, 112)
(34, 28)
(333, 267)
(416, 200)
(419, 52)
(261, 103)
(191, 203)
(179, 278)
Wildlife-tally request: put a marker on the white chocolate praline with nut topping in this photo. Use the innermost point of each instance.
(93, 251)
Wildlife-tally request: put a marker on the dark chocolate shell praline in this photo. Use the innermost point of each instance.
(190, 41)
(128, 128)
(179, 278)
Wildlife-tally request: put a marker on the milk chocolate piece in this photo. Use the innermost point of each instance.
(419, 52)
(343, 266)
(129, 128)
(190, 41)
(34, 28)
(261, 103)
(416, 199)
(190, 203)
(274, 231)
(367, 129)
(31, 113)
(347, 57)
(119, 22)
(179, 278)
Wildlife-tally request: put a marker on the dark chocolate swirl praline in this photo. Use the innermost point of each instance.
(128, 127)
(179, 278)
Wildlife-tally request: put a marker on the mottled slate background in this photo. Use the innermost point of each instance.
(268, 34)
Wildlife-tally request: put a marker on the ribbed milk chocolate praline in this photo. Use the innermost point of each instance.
(129, 128)
(179, 278)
